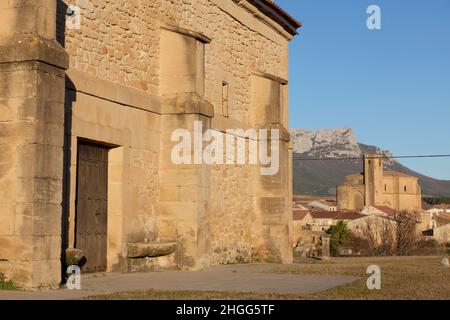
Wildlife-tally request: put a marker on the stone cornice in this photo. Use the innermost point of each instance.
(182, 103)
(187, 103)
(271, 10)
(197, 35)
(108, 90)
(28, 47)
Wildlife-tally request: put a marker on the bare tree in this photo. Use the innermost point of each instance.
(387, 238)
(380, 236)
(367, 232)
(406, 232)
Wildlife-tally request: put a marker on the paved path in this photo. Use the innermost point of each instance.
(240, 278)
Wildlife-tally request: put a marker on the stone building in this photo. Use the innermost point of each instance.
(377, 230)
(88, 105)
(376, 187)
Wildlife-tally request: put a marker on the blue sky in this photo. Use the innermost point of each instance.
(392, 86)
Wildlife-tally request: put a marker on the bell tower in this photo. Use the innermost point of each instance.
(373, 179)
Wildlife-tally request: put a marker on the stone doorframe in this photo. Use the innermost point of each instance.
(116, 244)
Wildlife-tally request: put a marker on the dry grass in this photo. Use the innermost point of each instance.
(401, 278)
(192, 295)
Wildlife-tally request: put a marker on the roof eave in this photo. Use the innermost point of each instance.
(277, 14)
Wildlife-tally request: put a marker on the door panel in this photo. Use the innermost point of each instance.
(92, 205)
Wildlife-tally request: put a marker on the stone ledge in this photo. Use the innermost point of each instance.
(21, 48)
(197, 35)
(150, 249)
(108, 90)
(187, 103)
(284, 132)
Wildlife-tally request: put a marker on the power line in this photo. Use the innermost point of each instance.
(372, 157)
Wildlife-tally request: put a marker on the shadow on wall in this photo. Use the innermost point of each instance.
(70, 97)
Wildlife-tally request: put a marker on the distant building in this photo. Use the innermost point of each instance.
(383, 211)
(319, 205)
(297, 206)
(323, 220)
(426, 221)
(441, 233)
(376, 187)
(373, 227)
(301, 227)
(308, 226)
(438, 209)
(322, 205)
(441, 219)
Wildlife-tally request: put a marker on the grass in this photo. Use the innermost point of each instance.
(190, 295)
(401, 278)
(6, 285)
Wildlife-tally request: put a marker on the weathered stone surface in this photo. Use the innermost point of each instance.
(28, 47)
(151, 249)
(32, 80)
(151, 263)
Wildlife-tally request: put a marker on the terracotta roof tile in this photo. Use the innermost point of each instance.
(442, 219)
(396, 173)
(277, 14)
(299, 214)
(336, 215)
(389, 211)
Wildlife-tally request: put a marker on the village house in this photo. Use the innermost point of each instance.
(438, 209)
(437, 226)
(379, 211)
(90, 97)
(376, 187)
(321, 205)
(308, 226)
(441, 233)
(323, 220)
(301, 226)
(373, 227)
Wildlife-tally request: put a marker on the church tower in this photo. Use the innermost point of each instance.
(373, 179)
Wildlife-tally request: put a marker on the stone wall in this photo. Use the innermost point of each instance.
(119, 41)
(231, 222)
(32, 69)
(125, 48)
(395, 195)
(121, 92)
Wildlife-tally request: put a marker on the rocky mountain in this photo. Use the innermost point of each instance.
(320, 177)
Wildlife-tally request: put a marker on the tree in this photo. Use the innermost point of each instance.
(387, 238)
(406, 233)
(378, 234)
(339, 235)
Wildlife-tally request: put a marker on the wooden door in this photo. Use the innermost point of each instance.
(92, 205)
